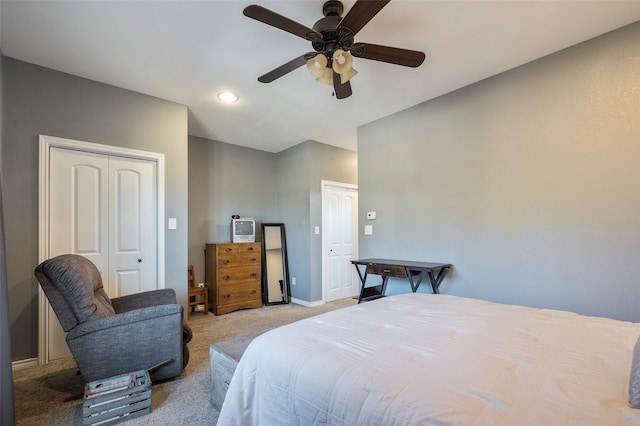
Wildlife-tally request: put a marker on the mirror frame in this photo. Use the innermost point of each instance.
(286, 285)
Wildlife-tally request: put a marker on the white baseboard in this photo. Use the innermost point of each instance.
(307, 304)
(24, 363)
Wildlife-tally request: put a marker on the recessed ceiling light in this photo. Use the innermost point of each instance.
(227, 97)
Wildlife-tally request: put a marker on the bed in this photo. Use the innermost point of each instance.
(423, 359)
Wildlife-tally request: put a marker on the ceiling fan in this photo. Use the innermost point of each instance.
(332, 39)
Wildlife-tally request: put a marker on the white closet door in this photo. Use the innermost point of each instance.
(132, 201)
(78, 219)
(104, 208)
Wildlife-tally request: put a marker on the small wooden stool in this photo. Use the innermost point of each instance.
(197, 295)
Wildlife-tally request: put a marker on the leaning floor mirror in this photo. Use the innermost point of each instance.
(275, 265)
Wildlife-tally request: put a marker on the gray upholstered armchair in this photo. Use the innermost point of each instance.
(110, 337)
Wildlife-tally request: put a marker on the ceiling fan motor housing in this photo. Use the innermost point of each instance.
(333, 37)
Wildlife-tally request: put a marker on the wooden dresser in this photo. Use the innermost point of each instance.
(233, 273)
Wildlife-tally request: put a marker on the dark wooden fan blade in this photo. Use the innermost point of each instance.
(268, 17)
(361, 13)
(341, 90)
(285, 68)
(392, 55)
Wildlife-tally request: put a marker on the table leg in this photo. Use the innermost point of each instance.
(437, 279)
(385, 278)
(372, 292)
(416, 285)
(363, 279)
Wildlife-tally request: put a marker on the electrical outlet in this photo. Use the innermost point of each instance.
(293, 280)
(371, 215)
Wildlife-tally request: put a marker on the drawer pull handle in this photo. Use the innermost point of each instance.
(387, 270)
(253, 275)
(250, 249)
(253, 259)
(226, 277)
(252, 292)
(227, 296)
(226, 261)
(228, 249)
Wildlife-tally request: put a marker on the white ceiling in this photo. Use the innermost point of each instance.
(188, 51)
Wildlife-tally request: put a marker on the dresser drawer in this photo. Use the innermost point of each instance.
(232, 260)
(238, 248)
(238, 293)
(238, 273)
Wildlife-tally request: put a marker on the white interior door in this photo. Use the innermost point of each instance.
(340, 242)
(132, 201)
(104, 208)
(78, 219)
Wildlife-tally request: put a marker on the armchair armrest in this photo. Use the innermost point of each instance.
(145, 299)
(126, 319)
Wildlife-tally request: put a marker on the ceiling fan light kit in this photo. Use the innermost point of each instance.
(321, 68)
(317, 65)
(332, 39)
(326, 77)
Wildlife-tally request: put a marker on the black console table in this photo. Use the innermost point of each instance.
(414, 271)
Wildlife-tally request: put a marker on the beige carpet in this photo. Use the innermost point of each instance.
(40, 391)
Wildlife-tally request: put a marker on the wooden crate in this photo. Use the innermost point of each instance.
(110, 401)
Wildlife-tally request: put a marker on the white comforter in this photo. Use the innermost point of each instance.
(421, 359)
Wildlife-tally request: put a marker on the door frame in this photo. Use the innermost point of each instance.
(323, 192)
(45, 144)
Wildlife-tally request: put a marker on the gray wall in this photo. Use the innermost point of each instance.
(224, 180)
(293, 187)
(284, 188)
(6, 375)
(42, 101)
(333, 164)
(301, 169)
(527, 182)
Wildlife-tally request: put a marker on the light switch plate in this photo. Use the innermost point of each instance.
(317, 230)
(173, 223)
(371, 215)
(368, 229)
